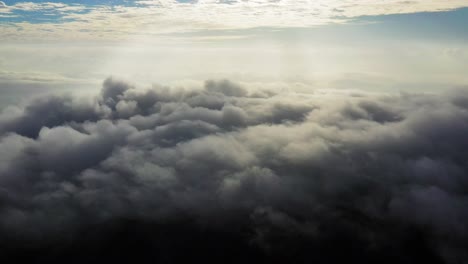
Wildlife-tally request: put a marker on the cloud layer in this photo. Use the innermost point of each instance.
(52, 20)
(224, 171)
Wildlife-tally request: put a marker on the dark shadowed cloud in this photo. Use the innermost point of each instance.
(222, 174)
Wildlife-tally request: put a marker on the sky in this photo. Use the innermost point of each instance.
(319, 44)
(234, 131)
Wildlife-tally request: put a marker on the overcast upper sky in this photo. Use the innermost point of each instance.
(112, 19)
(389, 45)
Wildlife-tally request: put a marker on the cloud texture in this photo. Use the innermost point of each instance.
(232, 174)
(81, 20)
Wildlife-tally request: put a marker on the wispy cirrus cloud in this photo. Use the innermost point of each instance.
(155, 17)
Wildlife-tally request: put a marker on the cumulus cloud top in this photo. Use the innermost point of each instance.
(277, 174)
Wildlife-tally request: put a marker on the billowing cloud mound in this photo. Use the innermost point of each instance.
(224, 173)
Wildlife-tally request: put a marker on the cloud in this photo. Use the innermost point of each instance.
(71, 21)
(219, 172)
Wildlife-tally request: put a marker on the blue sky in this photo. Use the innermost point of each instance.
(224, 14)
(52, 15)
(446, 20)
(86, 2)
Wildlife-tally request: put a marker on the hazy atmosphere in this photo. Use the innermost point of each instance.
(234, 131)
